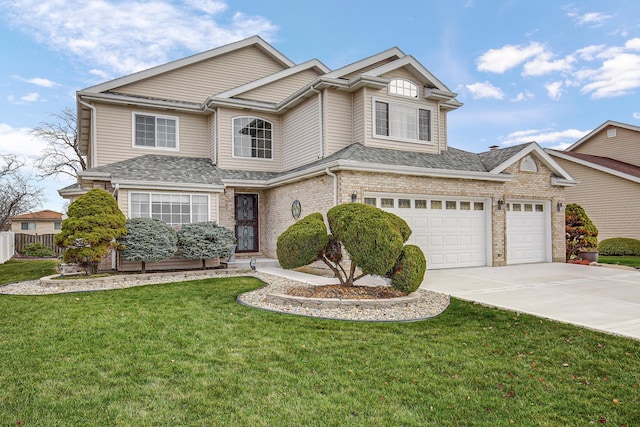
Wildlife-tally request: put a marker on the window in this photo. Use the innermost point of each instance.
(528, 164)
(436, 204)
(404, 203)
(173, 208)
(155, 131)
(28, 226)
(252, 137)
(403, 87)
(451, 204)
(370, 201)
(478, 206)
(57, 225)
(401, 121)
(420, 204)
(386, 203)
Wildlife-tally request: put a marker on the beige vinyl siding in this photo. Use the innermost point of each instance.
(301, 134)
(196, 82)
(420, 147)
(370, 67)
(612, 203)
(211, 121)
(115, 134)
(624, 147)
(281, 89)
(339, 120)
(359, 111)
(442, 131)
(225, 143)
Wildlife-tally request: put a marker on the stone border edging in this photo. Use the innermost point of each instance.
(305, 302)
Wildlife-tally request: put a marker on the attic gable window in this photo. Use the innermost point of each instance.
(402, 121)
(152, 131)
(403, 87)
(252, 137)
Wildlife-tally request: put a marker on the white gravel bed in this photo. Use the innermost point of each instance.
(429, 304)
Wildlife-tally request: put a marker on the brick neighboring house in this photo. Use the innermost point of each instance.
(606, 163)
(242, 136)
(37, 223)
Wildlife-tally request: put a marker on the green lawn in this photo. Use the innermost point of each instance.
(188, 354)
(19, 271)
(631, 261)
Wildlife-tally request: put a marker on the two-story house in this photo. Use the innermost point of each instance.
(242, 136)
(606, 163)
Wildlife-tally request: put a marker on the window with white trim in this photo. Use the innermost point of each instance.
(252, 137)
(402, 121)
(28, 226)
(152, 131)
(171, 208)
(403, 87)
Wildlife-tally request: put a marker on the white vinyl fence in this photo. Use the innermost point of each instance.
(7, 245)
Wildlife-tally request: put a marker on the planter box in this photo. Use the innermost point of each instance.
(590, 256)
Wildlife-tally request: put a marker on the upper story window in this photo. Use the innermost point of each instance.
(155, 131)
(57, 225)
(403, 87)
(402, 121)
(252, 137)
(28, 226)
(172, 208)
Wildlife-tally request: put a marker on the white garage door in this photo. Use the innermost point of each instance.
(528, 232)
(451, 232)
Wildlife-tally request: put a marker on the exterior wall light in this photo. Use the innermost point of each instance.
(500, 204)
(559, 206)
(354, 197)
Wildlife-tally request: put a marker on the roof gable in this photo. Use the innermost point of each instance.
(389, 54)
(597, 130)
(602, 164)
(256, 41)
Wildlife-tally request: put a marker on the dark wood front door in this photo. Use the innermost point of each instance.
(247, 222)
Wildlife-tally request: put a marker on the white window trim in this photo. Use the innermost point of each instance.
(401, 95)
(157, 116)
(233, 140)
(406, 104)
(176, 193)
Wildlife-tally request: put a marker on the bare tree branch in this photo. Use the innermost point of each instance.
(17, 195)
(62, 154)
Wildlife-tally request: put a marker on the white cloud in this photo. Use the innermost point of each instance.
(507, 57)
(485, 90)
(590, 53)
(30, 97)
(591, 19)
(18, 141)
(636, 115)
(616, 77)
(38, 81)
(633, 44)
(554, 90)
(124, 37)
(543, 64)
(544, 137)
(523, 96)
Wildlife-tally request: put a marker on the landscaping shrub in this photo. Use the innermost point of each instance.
(303, 242)
(581, 233)
(408, 272)
(371, 236)
(619, 246)
(148, 240)
(94, 222)
(205, 240)
(37, 249)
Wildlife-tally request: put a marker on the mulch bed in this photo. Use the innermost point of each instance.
(346, 292)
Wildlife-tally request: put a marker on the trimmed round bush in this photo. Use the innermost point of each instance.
(619, 246)
(408, 272)
(303, 242)
(37, 249)
(372, 237)
(205, 240)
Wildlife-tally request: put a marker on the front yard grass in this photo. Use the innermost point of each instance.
(20, 271)
(631, 261)
(188, 354)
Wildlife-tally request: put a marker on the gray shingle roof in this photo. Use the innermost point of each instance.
(172, 169)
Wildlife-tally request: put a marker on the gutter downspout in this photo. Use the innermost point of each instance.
(335, 186)
(320, 120)
(94, 132)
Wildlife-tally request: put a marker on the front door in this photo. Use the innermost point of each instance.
(247, 222)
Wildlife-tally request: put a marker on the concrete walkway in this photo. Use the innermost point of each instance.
(601, 298)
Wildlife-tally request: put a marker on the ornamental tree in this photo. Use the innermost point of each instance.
(582, 234)
(93, 224)
(373, 239)
(204, 240)
(148, 240)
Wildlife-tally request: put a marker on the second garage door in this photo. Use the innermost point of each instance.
(528, 232)
(452, 232)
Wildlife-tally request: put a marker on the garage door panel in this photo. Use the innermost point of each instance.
(527, 232)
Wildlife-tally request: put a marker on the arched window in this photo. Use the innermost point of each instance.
(252, 137)
(403, 87)
(528, 164)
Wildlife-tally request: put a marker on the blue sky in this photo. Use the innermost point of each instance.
(546, 70)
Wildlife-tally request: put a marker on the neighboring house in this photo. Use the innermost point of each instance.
(606, 163)
(242, 136)
(37, 223)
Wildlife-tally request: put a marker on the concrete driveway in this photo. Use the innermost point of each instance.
(602, 298)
